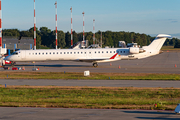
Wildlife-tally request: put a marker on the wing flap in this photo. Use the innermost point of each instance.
(113, 58)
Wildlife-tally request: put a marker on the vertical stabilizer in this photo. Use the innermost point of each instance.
(158, 42)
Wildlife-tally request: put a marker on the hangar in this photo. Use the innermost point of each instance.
(13, 43)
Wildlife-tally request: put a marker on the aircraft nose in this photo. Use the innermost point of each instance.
(7, 58)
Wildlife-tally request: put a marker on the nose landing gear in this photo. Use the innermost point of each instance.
(12, 64)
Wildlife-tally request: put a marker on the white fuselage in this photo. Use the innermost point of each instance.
(77, 54)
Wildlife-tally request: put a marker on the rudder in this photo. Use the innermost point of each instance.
(158, 42)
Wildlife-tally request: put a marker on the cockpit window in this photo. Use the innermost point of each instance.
(15, 53)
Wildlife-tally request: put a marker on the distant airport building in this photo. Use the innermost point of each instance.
(12, 43)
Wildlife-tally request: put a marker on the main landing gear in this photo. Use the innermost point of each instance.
(95, 65)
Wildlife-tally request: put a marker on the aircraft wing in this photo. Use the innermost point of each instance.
(113, 58)
(89, 60)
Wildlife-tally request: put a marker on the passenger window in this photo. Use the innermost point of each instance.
(43, 53)
(71, 52)
(78, 52)
(84, 52)
(99, 52)
(121, 51)
(29, 53)
(50, 53)
(106, 51)
(39, 53)
(36, 53)
(53, 52)
(124, 51)
(46, 53)
(33, 53)
(60, 52)
(95, 52)
(57, 52)
(114, 51)
(64, 52)
(74, 52)
(81, 52)
(102, 52)
(89, 52)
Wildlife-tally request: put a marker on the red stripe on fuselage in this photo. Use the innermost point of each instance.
(113, 56)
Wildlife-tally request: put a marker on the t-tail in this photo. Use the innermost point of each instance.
(158, 42)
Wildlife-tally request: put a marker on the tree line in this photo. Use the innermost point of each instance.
(45, 37)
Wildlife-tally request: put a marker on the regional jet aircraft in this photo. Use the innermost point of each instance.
(90, 55)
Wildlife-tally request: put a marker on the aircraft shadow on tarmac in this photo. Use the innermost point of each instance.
(148, 112)
(163, 117)
(156, 118)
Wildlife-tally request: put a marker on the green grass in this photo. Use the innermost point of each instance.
(93, 76)
(90, 97)
(169, 48)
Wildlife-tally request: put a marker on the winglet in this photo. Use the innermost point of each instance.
(114, 56)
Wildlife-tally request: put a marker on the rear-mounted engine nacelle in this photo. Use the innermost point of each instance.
(135, 50)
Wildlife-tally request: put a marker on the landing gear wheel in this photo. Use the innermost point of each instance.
(12, 64)
(95, 64)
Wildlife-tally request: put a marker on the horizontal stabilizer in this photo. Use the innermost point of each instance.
(163, 36)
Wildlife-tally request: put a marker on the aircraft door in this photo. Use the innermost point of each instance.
(89, 54)
(23, 55)
(19, 54)
(85, 53)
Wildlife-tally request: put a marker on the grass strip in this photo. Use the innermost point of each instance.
(93, 76)
(90, 97)
(171, 48)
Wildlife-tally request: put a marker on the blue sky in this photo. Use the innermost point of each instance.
(140, 16)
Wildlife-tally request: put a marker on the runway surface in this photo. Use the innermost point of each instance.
(167, 62)
(105, 83)
(8, 113)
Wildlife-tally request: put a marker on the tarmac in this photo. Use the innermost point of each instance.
(93, 83)
(23, 113)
